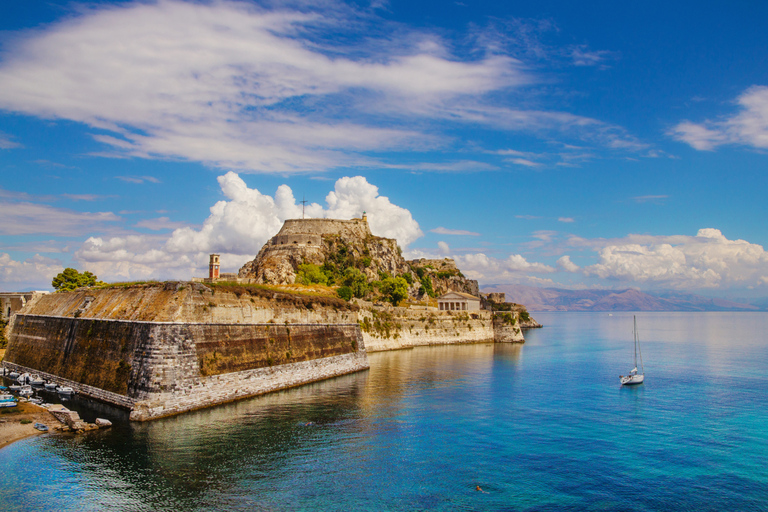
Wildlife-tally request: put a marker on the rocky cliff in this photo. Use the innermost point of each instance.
(337, 245)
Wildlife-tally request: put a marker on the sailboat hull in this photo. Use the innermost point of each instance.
(632, 380)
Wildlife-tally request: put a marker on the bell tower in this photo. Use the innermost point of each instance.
(213, 267)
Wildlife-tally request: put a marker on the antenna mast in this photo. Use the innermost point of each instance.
(303, 205)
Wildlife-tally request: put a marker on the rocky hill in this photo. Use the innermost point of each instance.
(337, 245)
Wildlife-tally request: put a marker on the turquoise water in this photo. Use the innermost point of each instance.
(544, 426)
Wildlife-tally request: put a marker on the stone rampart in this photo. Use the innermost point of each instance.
(389, 328)
(353, 228)
(161, 368)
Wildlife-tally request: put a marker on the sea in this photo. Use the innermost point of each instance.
(540, 426)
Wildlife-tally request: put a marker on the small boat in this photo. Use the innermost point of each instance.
(13, 375)
(6, 397)
(65, 390)
(41, 427)
(51, 386)
(634, 377)
(3, 388)
(10, 403)
(36, 401)
(26, 391)
(23, 378)
(35, 380)
(15, 387)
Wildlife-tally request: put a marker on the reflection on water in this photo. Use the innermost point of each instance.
(539, 426)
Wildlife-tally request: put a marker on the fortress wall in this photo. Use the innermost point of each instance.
(157, 368)
(389, 328)
(354, 228)
(185, 302)
(296, 239)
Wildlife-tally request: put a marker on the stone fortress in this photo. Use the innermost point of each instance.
(159, 349)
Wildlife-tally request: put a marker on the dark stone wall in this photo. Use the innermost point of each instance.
(139, 359)
(232, 348)
(98, 353)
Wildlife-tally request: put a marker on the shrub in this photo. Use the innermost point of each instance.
(408, 278)
(311, 274)
(426, 284)
(345, 292)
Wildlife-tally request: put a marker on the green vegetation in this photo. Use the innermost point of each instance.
(3, 339)
(395, 289)
(71, 279)
(507, 318)
(426, 286)
(356, 281)
(524, 316)
(311, 274)
(345, 292)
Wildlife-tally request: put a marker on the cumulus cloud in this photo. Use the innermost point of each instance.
(707, 260)
(238, 86)
(237, 228)
(748, 127)
(565, 263)
(33, 273)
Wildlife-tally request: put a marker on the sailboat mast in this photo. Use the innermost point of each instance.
(635, 335)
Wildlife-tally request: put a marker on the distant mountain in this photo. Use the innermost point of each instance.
(554, 299)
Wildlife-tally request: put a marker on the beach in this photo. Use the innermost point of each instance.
(11, 428)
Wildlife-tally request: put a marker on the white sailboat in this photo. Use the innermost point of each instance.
(634, 377)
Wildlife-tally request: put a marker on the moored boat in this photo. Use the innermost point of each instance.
(41, 427)
(51, 386)
(634, 377)
(35, 380)
(26, 391)
(65, 390)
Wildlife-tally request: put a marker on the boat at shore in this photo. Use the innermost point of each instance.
(634, 377)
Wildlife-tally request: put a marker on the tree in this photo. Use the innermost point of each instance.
(345, 292)
(71, 279)
(311, 274)
(395, 289)
(356, 281)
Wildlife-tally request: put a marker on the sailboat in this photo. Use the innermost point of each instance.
(634, 377)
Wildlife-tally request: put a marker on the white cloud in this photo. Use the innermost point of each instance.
(444, 248)
(33, 273)
(25, 218)
(7, 143)
(229, 84)
(749, 127)
(565, 219)
(565, 263)
(159, 224)
(707, 260)
(138, 179)
(445, 231)
(236, 86)
(237, 228)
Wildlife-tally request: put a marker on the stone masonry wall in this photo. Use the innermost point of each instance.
(390, 328)
(154, 368)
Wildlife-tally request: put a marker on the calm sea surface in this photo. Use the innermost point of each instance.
(544, 426)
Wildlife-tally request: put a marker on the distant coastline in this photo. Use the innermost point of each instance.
(556, 299)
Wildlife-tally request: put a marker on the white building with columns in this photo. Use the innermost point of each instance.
(458, 301)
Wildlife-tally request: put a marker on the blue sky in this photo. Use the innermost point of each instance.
(543, 143)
